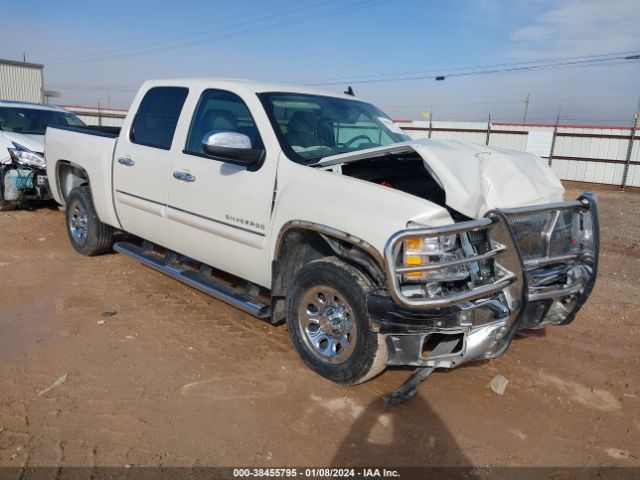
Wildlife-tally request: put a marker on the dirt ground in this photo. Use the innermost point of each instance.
(174, 377)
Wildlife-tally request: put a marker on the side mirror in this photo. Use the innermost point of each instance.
(234, 147)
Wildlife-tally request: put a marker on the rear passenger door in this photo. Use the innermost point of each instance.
(219, 211)
(143, 164)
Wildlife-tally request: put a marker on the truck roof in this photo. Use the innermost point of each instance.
(236, 84)
(35, 106)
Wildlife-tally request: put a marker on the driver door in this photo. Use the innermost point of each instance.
(220, 211)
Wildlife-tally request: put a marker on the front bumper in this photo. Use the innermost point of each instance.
(533, 288)
(27, 184)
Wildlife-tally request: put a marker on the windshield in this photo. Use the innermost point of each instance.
(34, 121)
(310, 127)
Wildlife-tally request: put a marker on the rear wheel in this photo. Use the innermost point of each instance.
(88, 235)
(328, 323)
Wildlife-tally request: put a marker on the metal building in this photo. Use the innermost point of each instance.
(21, 81)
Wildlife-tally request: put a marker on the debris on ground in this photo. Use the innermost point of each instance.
(55, 384)
(499, 384)
(409, 388)
(109, 312)
(100, 322)
(619, 454)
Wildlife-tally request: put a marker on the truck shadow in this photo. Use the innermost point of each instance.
(32, 206)
(409, 435)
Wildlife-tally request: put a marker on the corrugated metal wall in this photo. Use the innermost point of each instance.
(633, 179)
(20, 81)
(106, 117)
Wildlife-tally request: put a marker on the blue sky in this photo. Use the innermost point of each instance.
(97, 51)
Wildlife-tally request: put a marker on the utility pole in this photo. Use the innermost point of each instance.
(553, 139)
(526, 109)
(632, 135)
(488, 137)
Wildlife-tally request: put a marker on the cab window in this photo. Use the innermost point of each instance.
(157, 117)
(219, 111)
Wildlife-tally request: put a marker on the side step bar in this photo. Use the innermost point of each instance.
(204, 283)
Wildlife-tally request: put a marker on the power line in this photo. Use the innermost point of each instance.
(342, 79)
(270, 26)
(218, 27)
(579, 63)
(602, 59)
(191, 26)
(482, 72)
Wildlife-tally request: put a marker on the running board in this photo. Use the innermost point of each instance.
(204, 283)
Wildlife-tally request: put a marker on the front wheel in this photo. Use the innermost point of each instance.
(328, 323)
(88, 235)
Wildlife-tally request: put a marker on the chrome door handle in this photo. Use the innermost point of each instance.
(184, 176)
(126, 161)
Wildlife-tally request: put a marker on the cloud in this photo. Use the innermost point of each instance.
(579, 27)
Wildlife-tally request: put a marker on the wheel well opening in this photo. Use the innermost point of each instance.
(69, 177)
(299, 247)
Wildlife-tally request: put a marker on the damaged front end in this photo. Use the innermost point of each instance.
(459, 293)
(23, 176)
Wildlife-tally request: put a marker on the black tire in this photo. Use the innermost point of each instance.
(88, 235)
(365, 352)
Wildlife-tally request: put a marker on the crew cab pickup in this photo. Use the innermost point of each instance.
(316, 210)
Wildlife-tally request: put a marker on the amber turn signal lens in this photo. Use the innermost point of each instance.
(413, 244)
(413, 260)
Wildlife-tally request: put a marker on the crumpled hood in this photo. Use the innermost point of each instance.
(476, 178)
(35, 143)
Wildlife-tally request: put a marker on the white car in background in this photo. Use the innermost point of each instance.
(23, 174)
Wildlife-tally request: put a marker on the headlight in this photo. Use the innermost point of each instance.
(23, 156)
(430, 251)
(551, 234)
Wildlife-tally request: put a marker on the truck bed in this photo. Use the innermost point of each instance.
(86, 149)
(98, 130)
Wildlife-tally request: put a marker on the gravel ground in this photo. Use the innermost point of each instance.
(146, 371)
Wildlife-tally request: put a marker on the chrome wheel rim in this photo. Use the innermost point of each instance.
(327, 324)
(78, 222)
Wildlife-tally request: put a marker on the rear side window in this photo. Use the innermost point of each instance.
(157, 116)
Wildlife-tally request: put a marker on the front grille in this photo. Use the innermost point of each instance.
(481, 243)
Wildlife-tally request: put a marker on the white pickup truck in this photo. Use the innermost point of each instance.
(316, 209)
